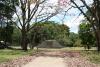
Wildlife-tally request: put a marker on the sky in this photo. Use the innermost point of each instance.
(72, 19)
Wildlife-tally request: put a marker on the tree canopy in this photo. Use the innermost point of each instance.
(86, 35)
(49, 31)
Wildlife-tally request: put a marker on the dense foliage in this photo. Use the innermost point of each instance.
(6, 33)
(16, 37)
(75, 40)
(6, 25)
(49, 31)
(86, 35)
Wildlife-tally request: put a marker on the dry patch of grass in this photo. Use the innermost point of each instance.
(93, 56)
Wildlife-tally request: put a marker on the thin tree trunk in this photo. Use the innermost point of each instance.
(24, 43)
(98, 40)
(97, 35)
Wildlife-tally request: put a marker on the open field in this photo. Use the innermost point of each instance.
(65, 48)
(68, 48)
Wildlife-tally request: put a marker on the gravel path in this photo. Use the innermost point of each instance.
(46, 62)
(60, 59)
(79, 62)
(51, 59)
(42, 61)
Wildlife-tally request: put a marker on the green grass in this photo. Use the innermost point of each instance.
(6, 55)
(93, 56)
(77, 48)
(68, 48)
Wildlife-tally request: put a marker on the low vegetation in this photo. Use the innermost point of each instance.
(6, 55)
(92, 56)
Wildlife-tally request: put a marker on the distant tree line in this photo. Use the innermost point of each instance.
(49, 30)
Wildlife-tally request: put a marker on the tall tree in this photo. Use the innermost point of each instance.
(94, 17)
(6, 25)
(93, 7)
(86, 35)
(29, 11)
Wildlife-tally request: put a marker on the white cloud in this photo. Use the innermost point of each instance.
(74, 23)
(53, 1)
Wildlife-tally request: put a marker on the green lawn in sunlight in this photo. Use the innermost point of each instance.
(6, 55)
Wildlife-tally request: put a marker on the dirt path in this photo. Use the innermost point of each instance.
(59, 62)
(47, 62)
(79, 62)
(60, 59)
(51, 59)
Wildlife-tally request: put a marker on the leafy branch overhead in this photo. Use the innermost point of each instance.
(26, 12)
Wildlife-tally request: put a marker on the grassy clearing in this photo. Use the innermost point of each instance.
(77, 48)
(6, 55)
(93, 56)
(67, 49)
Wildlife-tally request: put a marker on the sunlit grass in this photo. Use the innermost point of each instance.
(67, 48)
(6, 55)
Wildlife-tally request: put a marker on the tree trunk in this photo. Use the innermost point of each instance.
(24, 43)
(98, 40)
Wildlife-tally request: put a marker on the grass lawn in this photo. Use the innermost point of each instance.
(6, 55)
(67, 49)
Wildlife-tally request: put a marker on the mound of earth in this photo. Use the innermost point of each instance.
(50, 44)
